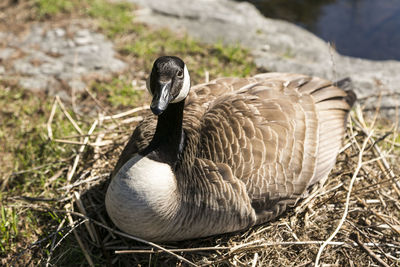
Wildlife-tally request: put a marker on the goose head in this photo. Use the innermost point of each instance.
(169, 82)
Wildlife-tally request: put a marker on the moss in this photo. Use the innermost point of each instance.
(119, 92)
(113, 18)
(48, 8)
(288, 53)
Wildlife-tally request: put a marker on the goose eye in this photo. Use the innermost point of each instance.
(179, 74)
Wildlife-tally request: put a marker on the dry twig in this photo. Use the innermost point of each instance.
(369, 251)
(85, 141)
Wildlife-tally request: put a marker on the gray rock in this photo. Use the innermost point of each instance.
(52, 68)
(276, 45)
(50, 56)
(35, 84)
(77, 85)
(83, 37)
(59, 32)
(63, 95)
(25, 68)
(68, 76)
(6, 53)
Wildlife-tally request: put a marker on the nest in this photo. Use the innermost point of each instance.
(353, 219)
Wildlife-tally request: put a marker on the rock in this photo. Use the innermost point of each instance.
(6, 53)
(83, 37)
(49, 57)
(25, 68)
(38, 83)
(59, 32)
(276, 45)
(63, 95)
(77, 85)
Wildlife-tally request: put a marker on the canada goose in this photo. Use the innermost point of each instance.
(229, 154)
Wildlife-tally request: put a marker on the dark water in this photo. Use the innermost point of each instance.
(360, 28)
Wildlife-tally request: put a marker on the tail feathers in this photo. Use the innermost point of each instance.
(333, 104)
(324, 91)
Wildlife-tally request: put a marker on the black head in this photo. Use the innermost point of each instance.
(169, 82)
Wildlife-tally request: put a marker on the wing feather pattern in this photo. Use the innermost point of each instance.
(278, 135)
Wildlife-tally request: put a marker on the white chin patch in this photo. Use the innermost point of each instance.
(185, 87)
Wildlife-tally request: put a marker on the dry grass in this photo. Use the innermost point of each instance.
(352, 220)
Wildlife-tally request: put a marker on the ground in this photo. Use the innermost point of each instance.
(66, 113)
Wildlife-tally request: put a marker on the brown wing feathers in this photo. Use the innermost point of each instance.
(280, 135)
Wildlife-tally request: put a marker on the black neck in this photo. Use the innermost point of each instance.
(167, 141)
